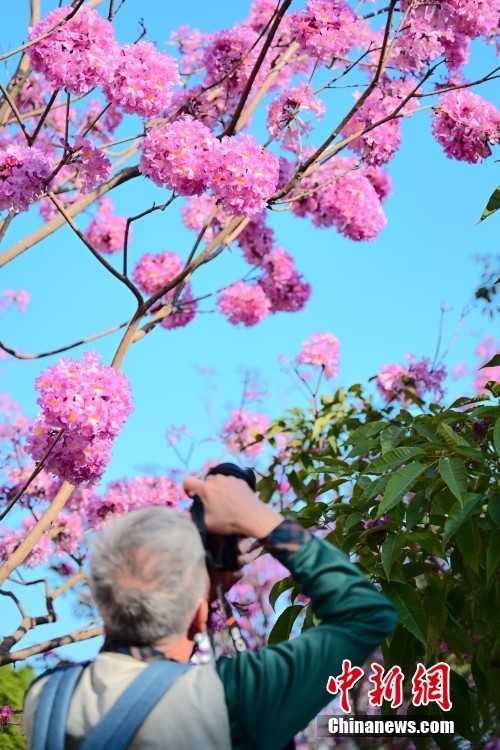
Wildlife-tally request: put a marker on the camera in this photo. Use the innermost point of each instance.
(222, 551)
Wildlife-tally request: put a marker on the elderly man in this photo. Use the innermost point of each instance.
(149, 580)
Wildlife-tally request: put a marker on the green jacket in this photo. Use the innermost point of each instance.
(273, 693)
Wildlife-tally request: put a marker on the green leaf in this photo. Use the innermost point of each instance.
(279, 588)
(492, 205)
(391, 437)
(416, 509)
(391, 459)
(454, 474)
(408, 606)
(496, 436)
(493, 557)
(399, 484)
(457, 443)
(370, 429)
(494, 362)
(284, 624)
(469, 542)
(352, 519)
(459, 514)
(375, 488)
(390, 551)
(494, 507)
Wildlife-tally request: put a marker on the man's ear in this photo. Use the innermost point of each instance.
(200, 620)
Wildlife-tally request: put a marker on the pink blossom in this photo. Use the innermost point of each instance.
(465, 125)
(142, 80)
(284, 115)
(75, 458)
(184, 310)
(380, 181)
(283, 285)
(395, 381)
(18, 297)
(42, 549)
(256, 240)
(327, 29)
(24, 172)
(106, 231)
(94, 166)
(322, 351)
(66, 533)
(125, 495)
(152, 272)
(78, 55)
(176, 154)
(191, 47)
(238, 433)
(230, 57)
(379, 145)
(5, 714)
(109, 118)
(243, 175)
(89, 401)
(243, 303)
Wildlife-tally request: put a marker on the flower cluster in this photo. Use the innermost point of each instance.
(380, 144)
(243, 303)
(106, 231)
(399, 382)
(282, 283)
(243, 175)
(142, 80)
(230, 58)
(152, 272)
(5, 714)
(125, 495)
(327, 29)
(19, 297)
(176, 155)
(241, 429)
(343, 196)
(24, 172)
(183, 312)
(465, 124)
(93, 165)
(322, 351)
(284, 120)
(84, 405)
(76, 56)
(187, 158)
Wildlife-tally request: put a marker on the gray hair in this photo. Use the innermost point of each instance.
(147, 574)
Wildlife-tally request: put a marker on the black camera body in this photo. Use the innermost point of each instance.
(222, 551)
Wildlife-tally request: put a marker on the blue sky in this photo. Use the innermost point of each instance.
(381, 299)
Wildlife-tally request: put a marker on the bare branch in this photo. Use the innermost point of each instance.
(230, 129)
(112, 270)
(51, 352)
(33, 474)
(128, 173)
(63, 640)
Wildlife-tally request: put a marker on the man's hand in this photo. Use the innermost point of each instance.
(231, 507)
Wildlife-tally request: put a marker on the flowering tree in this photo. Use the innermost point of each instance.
(77, 94)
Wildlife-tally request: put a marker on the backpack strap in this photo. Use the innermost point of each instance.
(49, 729)
(121, 723)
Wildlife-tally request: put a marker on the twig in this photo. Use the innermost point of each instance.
(58, 25)
(229, 130)
(40, 355)
(32, 476)
(112, 270)
(77, 207)
(15, 110)
(76, 637)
